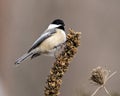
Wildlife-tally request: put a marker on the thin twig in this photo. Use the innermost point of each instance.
(110, 76)
(96, 90)
(106, 91)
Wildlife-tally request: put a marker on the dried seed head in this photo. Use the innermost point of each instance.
(61, 64)
(99, 75)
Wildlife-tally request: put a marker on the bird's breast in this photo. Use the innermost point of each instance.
(50, 43)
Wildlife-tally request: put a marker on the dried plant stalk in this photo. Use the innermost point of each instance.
(61, 64)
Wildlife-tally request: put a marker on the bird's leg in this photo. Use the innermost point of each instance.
(60, 46)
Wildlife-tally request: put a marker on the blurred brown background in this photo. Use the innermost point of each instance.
(21, 23)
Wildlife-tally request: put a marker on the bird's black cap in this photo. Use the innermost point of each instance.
(58, 21)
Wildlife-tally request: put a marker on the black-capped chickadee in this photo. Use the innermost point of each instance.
(53, 37)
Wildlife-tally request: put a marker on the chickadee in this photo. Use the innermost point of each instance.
(52, 38)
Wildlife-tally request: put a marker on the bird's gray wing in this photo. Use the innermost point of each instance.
(44, 36)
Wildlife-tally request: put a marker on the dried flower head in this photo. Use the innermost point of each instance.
(100, 76)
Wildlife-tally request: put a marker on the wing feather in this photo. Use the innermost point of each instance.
(44, 36)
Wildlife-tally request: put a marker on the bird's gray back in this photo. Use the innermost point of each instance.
(44, 36)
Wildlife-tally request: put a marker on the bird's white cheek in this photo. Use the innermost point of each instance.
(52, 26)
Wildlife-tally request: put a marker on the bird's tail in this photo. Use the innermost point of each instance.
(22, 58)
